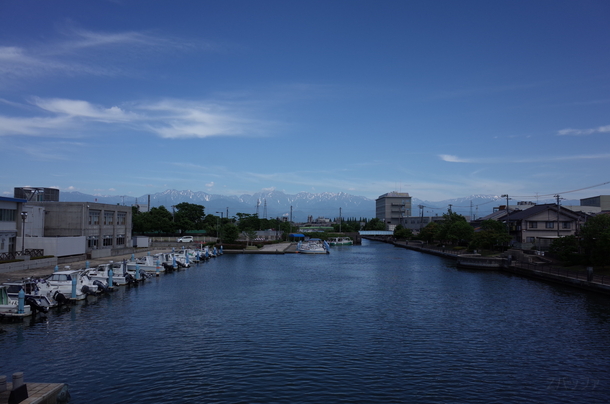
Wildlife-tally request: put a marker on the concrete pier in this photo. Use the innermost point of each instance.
(38, 393)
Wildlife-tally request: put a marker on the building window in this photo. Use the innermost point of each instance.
(120, 239)
(94, 218)
(532, 225)
(120, 218)
(108, 218)
(92, 242)
(530, 239)
(550, 225)
(566, 225)
(107, 241)
(8, 215)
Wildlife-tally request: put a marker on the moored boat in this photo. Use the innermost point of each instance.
(313, 246)
(340, 241)
(10, 309)
(33, 295)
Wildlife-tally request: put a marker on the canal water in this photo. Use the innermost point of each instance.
(364, 324)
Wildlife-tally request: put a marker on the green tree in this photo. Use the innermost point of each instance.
(491, 235)
(428, 233)
(455, 229)
(250, 235)
(247, 221)
(400, 232)
(230, 232)
(566, 249)
(374, 224)
(189, 216)
(595, 237)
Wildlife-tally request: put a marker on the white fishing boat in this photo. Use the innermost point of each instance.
(60, 285)
(313, 246)
(33, 296)
(120, 276)
(340, 241)
(147, 263)
(9, 308)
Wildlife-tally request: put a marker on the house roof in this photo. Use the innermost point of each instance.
(536, 209)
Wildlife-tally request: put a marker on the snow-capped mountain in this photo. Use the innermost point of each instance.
(273, 204)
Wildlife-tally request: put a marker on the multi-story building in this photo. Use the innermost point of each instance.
(393, 208)
(11, 223)
(102, 226)
(601, 201)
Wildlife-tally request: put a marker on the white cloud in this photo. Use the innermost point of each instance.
(453, 159)
(583, 132)
(83, 52)
(83, 109)
(170, 119)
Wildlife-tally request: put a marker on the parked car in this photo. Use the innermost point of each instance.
(185, 239)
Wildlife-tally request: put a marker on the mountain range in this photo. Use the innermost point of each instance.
(273, 204)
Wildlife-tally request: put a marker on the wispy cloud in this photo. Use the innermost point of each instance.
(83, 109)
(82, 52)
(583, 132)
(454, 159)
(537, 159)
(170, 119)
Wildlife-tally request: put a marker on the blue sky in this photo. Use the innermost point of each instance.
(441, 99)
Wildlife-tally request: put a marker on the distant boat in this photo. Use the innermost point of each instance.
(313, 246)
(340, 241)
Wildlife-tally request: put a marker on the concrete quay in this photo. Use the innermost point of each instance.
(19, 392)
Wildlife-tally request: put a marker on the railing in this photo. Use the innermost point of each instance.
(32, 253)
(549, 269)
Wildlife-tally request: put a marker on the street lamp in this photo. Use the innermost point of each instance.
(24, 215)
(217, 226)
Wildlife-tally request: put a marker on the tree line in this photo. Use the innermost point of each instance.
(590, 247)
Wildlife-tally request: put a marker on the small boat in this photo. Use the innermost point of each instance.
(340, 241)
(9, 308)
(120, 276)
(148, 264)
(33, 296)
(60, 285)
(313, 246)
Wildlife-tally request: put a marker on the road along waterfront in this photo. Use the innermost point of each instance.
(370, 323)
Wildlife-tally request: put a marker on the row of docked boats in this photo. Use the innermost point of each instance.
(24, 298)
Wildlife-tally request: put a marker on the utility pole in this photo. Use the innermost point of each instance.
(558, 207)
(421, 219)
(450, 205)
(507, 214)
(339, 220)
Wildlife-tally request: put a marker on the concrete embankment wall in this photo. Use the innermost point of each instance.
(28, 264)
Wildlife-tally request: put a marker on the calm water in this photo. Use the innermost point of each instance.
(364, 324)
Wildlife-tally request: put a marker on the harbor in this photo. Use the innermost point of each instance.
(368, 323)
